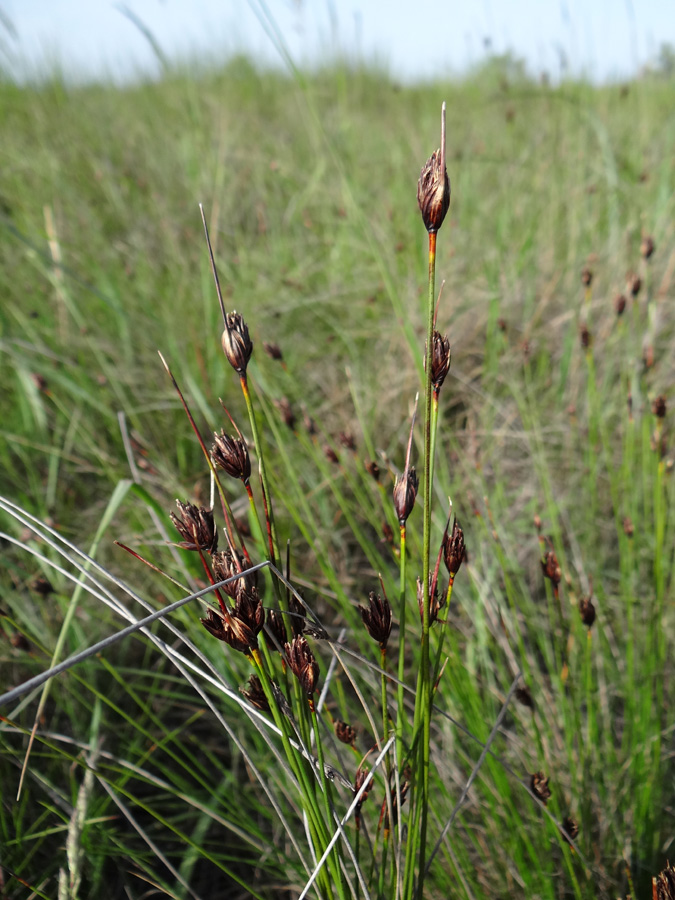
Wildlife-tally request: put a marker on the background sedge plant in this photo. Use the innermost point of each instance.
(286, 738)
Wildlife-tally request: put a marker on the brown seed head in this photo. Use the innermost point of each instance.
(454, 549)
(628, 527)
(372, 469)
(347, 440)
(249, 609)
(659, 407)
(433, 192)
(647, 246)
(634, 283)
(231, 630)
(440, 360)
(344, 732)
(255, 694)
(377, 618)
(585, 336)
(231, 454)
(664, 884)
(275, 623)
(42, 586)
(405, 491)
(587, 611)
(225, 566)
(572, 829)
(330, 454)
(272, 350)
(286, 411)
(539, 786)
(435, 604)
(586, 277)
(524, 696)
(620, 304)
(551, 569)
(195, 525)
(237, 345)
(303, 664)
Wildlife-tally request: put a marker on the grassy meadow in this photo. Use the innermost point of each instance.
(146, 777)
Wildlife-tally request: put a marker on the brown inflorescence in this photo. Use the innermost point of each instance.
(195, 525)
(587, 611)
(226, 566)
(272, 350)
(454, 549)
(433, 192)
(659, 407)
(344, 732)
(586, 277)
(647, 246)
(231, 455)
(372, 469)
(236, 343)
(377, 618)
(302, 664)
(539, 786)
(255, 694)
(551, 569)
(664, 884)
(405, 491)
(620, 304)
(440, 360)
(231, 630)
(570, 827)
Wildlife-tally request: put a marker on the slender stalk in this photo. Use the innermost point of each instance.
(400, 711)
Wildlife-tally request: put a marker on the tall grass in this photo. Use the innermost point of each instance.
(550, 445)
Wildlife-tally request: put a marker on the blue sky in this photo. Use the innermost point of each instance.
(604, 39)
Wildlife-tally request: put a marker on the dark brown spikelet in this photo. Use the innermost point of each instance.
(231, 455)
(195, 525)
(659, 407)
(647, 246)
(524, 696)
(255, 694)
(440, 360)
(302, 664)
(275, 623)
(272, 350)
(347, 440)
(628, 527)
(663, 885)
(237, 345)
(433, 192)
(405, 491)
(587, 611)
(572, 829)
(42, 586)
(361, 775)
(372, 469)
(620, 304)
(454, 549)
(551, 569)
(634, 283)
(286, 411)
(539, 786)
(435, 604)
(586, 277)
(585, 336)
(377, 618)
(225, 566)
(249, 609)
(344, 733)
(330, 454)
(230, 630)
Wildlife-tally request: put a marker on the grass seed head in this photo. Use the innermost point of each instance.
(405, 491)
(647, 246)
(345, 733)
(659, 407)
(195, 525)
(620, 304)
(634, 283)
(454, 549)
(664, 884)
(303, 664)
(237, 345)
(587, 611)
(255, 694)
(372, 469)
(377, 618)
(231, 455)
(571, 828)
(435, 603)
(433, 192)
(273, 350)
(586, 277)
(539, 786)
(275, 623)
(551, 568)
(440, 360)
(225, 566)
(230, 630)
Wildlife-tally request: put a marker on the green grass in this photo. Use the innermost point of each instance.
(309, 190)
